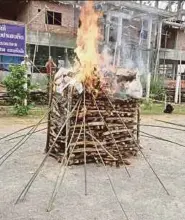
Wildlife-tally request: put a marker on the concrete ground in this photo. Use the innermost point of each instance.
(141, 196)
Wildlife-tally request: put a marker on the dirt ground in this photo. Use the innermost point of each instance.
(141, 196)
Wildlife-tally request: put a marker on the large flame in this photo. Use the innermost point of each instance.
(88, 37)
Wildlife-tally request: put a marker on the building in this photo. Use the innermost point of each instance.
(50, 28)
(147, 38)
(140, 36)
(133, 31)
(172, 50)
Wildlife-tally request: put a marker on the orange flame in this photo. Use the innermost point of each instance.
(88, 37)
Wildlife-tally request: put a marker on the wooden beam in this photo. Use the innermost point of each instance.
(148, 9)
(174, 24)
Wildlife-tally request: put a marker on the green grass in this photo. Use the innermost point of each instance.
(35, 112)
(38, 111)
(151, 109)
(157, 109)
(154, 109)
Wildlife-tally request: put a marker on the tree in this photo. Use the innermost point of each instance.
(15, 85)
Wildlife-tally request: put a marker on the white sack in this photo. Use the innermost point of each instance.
(134, 89)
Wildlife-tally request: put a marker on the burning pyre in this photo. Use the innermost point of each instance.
(93, 117)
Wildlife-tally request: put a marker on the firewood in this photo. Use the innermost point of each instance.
(111, 133)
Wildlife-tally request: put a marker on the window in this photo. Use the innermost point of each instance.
(113, 29)
(114, 19)
(143, 34)
(53, 18)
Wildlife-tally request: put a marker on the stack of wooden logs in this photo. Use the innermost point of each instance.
(110, 125)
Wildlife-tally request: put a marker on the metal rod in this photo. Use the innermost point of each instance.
(20, 142)
(58, 180)
(39, 13)
(85, 162)
(139, 148)
(159, 126)
(102, 146)
(26, 188)
(110, 181)
(22, 129)
(42, 129)
(112, 137)
(163, 139)
(172, 123)
(138, 124)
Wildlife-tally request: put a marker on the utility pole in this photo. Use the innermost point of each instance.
(158, 46)
(178, 75)
(148, 58)
(66, 63)
(156, 3)
(119, 39)
(107, 28)
(179, 10)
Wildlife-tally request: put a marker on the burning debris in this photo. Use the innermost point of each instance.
(94, 102)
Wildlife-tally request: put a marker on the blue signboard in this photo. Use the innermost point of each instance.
(12, 40)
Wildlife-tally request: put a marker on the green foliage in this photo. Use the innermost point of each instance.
(157, 93)
(21, 110)
(14, 83)
(34, 86)
(157, 90)
(147, 104)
